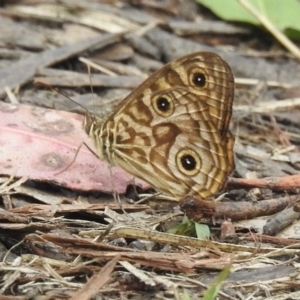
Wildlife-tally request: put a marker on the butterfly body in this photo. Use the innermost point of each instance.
(173, 130)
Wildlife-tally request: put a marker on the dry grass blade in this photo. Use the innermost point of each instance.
(269, 106)
(138, 273)
(8, 186)
(96, 282)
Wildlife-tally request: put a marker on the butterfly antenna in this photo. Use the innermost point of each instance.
(90, 78)
(61, 93)
(89, 64)
(91, 86)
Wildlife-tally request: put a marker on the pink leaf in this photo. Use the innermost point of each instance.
(38, 143)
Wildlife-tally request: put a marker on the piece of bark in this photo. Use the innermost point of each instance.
(24, 70)
(146, 64)
(143, 46)
(54, 77)
(96, 282)
(206, 27)
(280, 221)
(197, 209)
(228, 234)
(21, 35)
(262, 239)
(250, 275)
(114, 52)
(275, 183)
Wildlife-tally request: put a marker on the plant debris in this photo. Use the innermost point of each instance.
(73, 228)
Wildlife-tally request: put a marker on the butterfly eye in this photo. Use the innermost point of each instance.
(164, 106)
(188, 162)
(199, 79)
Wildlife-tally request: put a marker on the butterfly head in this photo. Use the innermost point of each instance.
(93, 128)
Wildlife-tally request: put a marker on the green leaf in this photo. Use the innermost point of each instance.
(215, 287)
(186, 295)
(190, 228)
(283, 14)
(186, 228)
(202, 231)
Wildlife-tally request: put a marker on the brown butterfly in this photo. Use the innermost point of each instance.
(173, 130)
